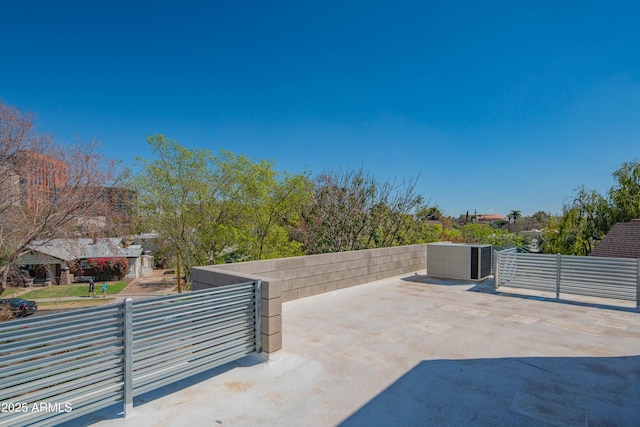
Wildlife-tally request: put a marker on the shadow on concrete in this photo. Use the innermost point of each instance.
(562, 300)
(421, 278)
(487, 286)
(530, 391)
(116, 411)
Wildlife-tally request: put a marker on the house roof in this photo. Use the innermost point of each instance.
(132, 251)
(72, 249)
(622, 241)
(489, 217)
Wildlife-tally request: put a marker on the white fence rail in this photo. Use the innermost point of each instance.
(57, 367)
(617, 278)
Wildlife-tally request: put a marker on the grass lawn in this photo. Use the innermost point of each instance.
(82, 290)
(12, 292)
(90, 302)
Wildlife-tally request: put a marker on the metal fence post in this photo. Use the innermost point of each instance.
(496, 283)
(558, 262)
(128, 357)
(638, 284)
(258, 314)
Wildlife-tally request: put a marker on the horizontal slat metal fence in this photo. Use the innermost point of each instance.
(528, 271)
(600, 277)
(616, 278)
(179, 336)
(70, 362)
(57, 367)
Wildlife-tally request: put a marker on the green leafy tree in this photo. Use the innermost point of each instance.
(433, 233)
(273, 205)
(485, 234)
(425, 226)
(175, 199)
(206, 207)
(589, 216)
(625, 195)
(452, 235)
(585, 221)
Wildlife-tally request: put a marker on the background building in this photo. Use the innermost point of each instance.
(40, 178)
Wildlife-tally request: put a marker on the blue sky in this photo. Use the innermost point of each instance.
(494, 105)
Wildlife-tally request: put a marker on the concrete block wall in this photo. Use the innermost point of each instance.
(287, 279)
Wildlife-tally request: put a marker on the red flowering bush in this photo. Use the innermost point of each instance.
(108, 268)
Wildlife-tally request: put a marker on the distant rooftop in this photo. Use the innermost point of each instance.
(622, 241)
(490, 216)
(72, 249)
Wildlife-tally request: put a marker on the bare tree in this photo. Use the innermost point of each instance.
(15, 137)
(352, 210)
(339, 215)
(47, 190)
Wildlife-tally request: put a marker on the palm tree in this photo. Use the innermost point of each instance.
(514, 215)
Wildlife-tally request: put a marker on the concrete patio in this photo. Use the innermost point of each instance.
(416, 351)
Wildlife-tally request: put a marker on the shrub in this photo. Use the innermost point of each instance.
(485, 234)
(452, 235)
(5, 312)
(108, 268)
